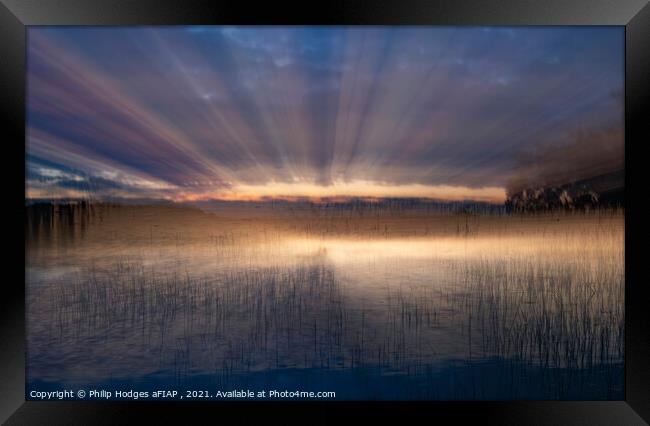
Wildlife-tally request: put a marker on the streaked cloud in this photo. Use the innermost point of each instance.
(238, 112)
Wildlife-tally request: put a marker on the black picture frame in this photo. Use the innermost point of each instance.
(16, 15)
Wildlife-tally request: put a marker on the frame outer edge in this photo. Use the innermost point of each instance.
(375, 12)
(637, 134)
(12, 302)
(12, 64)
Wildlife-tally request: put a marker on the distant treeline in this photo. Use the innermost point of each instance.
(573, 197)
(360, 205)
(604, 191)
(61, 217)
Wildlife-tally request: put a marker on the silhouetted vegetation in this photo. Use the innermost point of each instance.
(399, 305)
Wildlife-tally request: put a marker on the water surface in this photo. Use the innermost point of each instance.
(372, 305)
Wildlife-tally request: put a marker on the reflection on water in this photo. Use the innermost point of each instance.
(393, 306)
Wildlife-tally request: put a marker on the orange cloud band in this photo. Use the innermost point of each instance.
(361, 189)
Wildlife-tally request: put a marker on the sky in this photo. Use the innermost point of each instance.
(245, 113)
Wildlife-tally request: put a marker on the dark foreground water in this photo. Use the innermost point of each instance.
(487, 380)
(381, 306)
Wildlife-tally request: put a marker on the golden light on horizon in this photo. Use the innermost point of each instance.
(352, 189)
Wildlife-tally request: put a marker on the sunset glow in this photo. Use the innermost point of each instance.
(357, 189)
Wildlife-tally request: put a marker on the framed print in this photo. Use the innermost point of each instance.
(400, 209)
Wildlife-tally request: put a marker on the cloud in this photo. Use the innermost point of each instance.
(583, 156)
(192, 111)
